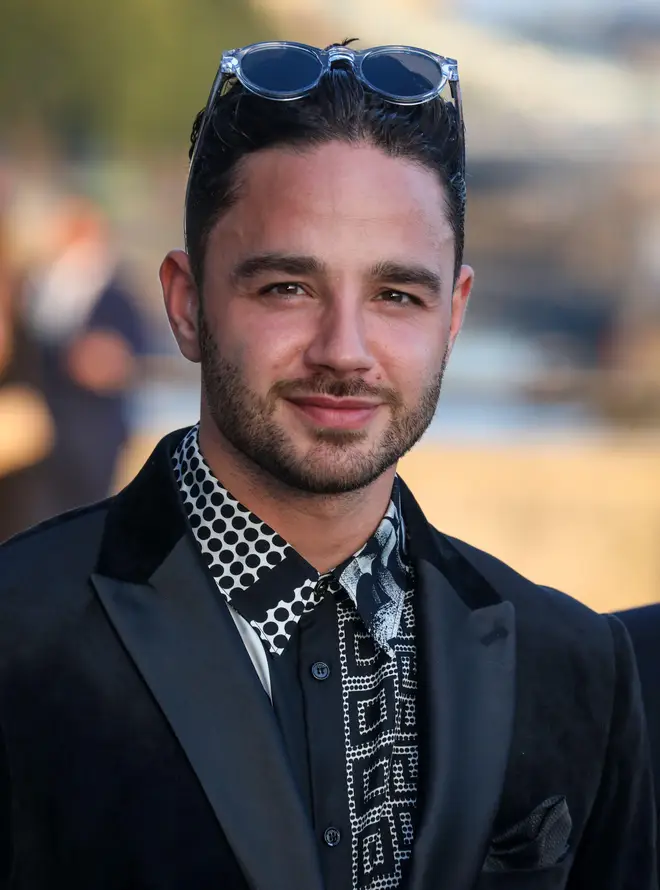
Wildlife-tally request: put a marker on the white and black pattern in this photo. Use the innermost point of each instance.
(241, 551)
(272, 587)
(237, 546)
(280, 621)
(380, 730)
(379, 565)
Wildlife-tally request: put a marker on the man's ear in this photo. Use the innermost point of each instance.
(459, 301)
(181, 302)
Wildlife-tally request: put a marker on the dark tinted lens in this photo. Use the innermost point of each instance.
(401, 74)
(287, 69)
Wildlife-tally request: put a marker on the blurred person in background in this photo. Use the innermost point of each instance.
(26, 433)
(89, 333)
(644, 628)
(259, 665)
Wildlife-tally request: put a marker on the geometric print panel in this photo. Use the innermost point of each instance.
(371, 782)
(374, 714)
(380, 731)
(364, 653)
(379, 865)
(405, 769)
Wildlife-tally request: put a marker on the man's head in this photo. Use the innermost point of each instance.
(324, 284)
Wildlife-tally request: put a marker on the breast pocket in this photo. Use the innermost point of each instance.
(552, 877)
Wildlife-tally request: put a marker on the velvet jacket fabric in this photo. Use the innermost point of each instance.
(644, 628)
(138, 750)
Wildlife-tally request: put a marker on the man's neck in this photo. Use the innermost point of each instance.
(324, 529)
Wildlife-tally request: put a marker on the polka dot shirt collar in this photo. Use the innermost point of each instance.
(267, 581)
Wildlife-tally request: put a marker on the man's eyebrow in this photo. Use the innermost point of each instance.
(288, 264)
(404, 273)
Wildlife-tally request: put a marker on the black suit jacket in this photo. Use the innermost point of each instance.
(644, 627)
(139, 750)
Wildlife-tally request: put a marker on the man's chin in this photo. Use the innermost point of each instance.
(332, 446)
(328, 486)
(324, 473)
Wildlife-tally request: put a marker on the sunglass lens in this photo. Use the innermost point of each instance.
(281, 70)
(402, 75)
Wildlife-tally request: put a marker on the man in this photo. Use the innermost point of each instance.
(24, 420)
(644, 627)
(259, 666)
(89, 333)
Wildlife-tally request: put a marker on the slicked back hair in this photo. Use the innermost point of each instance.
(339, 109)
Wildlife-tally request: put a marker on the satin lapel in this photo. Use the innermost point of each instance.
(185, 644)
(467, 699)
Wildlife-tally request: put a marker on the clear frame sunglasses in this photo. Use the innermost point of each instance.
(283, 71)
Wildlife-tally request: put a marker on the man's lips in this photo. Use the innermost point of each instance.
(334, 402)
(338, 413)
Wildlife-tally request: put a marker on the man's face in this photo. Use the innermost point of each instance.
(328, 313)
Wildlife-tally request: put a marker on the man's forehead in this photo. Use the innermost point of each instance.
(342, 185)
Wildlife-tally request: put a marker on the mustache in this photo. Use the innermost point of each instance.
(331, 386)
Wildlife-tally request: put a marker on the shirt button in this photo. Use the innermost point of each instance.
(320, 670)
(332, 836)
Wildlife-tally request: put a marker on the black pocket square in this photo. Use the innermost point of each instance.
(538, 841)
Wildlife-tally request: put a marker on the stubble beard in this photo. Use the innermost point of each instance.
(336, 463)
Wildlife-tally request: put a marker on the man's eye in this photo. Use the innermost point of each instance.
(397, 296)
(286, 289)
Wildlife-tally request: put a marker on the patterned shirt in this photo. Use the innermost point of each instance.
(270, 587)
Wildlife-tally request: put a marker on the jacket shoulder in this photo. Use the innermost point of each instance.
(66, 544)
(539, 608)
(643, 623)
(44, 574)
(643, 626)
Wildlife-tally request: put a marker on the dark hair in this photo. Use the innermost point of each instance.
(340, 108)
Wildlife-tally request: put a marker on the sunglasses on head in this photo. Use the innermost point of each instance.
(285, 71)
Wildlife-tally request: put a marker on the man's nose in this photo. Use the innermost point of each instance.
(340, 342)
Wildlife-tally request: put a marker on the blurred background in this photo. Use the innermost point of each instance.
(546, 446)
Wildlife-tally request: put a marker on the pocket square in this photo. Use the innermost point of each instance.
(538, 841)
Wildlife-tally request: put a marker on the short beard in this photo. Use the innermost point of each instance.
(333, 466)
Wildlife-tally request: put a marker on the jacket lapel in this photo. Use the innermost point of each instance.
(466, 651)
(185, 645)
(156, 592)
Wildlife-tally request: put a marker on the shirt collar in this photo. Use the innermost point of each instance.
(267, 581)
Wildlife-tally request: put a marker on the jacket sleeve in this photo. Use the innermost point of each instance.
(618, 848)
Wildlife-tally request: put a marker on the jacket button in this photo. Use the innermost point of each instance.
(320, 670)
(332, 836)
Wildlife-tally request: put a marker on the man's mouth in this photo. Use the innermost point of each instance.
(333, 412)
